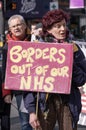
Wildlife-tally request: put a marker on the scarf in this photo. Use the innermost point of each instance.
(12, 37)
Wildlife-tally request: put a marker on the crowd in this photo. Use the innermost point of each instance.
(52, 107)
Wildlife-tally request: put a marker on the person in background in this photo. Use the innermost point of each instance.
(64, 108)
(83, 33)
(71, 36)
(33, 25)
(36, 32)
(17, 32)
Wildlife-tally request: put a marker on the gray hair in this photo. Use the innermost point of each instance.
(14, 17)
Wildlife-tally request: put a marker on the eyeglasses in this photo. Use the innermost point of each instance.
(17, 25)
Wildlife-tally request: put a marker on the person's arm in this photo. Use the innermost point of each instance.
(79, 58)
(30, 104)
(79, 67)
(78, 76)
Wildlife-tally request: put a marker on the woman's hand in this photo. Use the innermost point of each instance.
(33, 120)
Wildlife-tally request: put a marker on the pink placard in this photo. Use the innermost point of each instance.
(76, 3)
(41, 67)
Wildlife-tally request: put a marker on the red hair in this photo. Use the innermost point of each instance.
(52, 17)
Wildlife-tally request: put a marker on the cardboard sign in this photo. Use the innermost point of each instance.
(41, 67)
(76, 3)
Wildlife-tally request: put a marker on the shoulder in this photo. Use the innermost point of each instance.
(75, 47)
(78, 54)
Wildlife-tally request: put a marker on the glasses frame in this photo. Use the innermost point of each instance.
(17, 25)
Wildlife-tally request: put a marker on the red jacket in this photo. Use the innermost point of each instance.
(5, 91)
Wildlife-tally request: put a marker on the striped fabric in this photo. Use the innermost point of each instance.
(82, 117)
(83, 99)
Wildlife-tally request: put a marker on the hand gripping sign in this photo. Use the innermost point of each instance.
(41, 67)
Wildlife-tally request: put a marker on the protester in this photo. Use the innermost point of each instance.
(33, 26)
(36, 32)
(64, 108)
(17, 32)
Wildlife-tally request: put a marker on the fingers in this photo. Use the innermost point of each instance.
(7, 99)
(35, 124)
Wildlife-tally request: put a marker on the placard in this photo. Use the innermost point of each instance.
(41, 67)
(76, 3)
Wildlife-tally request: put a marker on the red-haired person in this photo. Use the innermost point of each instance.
(64, 108)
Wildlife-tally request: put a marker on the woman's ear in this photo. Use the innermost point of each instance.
(49, 31)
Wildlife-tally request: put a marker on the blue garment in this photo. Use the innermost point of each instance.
(30, 99)
(24, 117)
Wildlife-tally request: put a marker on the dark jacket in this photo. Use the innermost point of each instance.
(74, 98)
(1, 99)
(4, 107)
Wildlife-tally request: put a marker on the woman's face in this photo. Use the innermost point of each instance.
(58, 30)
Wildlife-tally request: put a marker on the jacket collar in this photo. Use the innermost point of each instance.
(12, 37)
